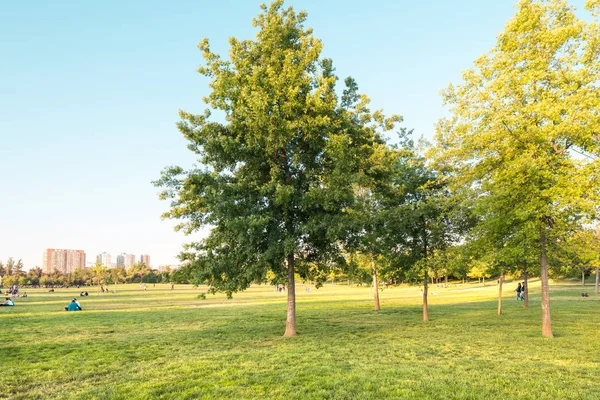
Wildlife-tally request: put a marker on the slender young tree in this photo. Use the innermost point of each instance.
(278, 173)
(525, 123)
(425, 220)
(369, 218)
(500, 282)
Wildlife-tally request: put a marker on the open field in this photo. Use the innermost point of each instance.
(168, 344)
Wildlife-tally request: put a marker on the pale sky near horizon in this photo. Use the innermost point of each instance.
(89, 94)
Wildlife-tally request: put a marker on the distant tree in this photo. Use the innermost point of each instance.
(10, 266)
(519, 118)
(99, 273)
(578, 253)
(136, 272)
(479, 270)
(280, 171)
(370, 232)
(34, 275)
(18, 268)
(427, 220)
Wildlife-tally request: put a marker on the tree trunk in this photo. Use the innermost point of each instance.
(546, 320)
(375, 284)
(597, 278)
(525, 277)
(500, 292)
(446, 280)
(290, 324)
(484, 281)
(582, 277)
(425, 311)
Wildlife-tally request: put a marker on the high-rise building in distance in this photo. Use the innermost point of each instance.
(125, 260)
(63, 260)
(145, 259)
(104, 259)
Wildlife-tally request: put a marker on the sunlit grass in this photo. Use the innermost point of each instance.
(164, 343)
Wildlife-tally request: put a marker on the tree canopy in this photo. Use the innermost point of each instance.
(278, 173)
(525, 122)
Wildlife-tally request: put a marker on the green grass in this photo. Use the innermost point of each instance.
(168, 344)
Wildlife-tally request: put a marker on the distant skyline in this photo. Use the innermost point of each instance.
(89, 94)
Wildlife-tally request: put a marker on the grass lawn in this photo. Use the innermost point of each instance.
(169, 344)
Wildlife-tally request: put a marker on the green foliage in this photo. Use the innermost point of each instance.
(427, 220)
(577, 253)
(279, 174)
(524, 133)
(521, 116)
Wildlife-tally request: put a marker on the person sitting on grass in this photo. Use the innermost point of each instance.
(24, 294)
(73, 306)
(8, 302)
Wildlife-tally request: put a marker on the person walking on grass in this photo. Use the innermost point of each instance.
(518, 290)
(523, 288)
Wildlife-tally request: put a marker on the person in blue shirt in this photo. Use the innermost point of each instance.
(8, 302)
(73, 306)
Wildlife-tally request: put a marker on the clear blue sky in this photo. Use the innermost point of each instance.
(89, 93)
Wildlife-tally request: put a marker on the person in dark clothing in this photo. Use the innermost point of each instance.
(518, 290)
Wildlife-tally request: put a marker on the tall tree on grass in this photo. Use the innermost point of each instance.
(425, 219)
(522, 117)
(369, 220)
(280, 171)
(596, 263)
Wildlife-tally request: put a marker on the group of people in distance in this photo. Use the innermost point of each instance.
(83, 294)
(521, 291)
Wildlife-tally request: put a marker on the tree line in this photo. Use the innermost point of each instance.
(298, 178)
(13, 273)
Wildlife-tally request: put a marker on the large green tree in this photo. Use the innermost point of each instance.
(525, 123)
(278, 166)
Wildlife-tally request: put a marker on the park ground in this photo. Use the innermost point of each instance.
(170, 344)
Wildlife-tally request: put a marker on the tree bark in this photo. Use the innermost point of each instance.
(484, 281)
(425, 311)
(501, 280)
(582, 277)
(525, 277)
(375, 284)
(446, 279)
(597, 278)
(546, 320)
(290, 324)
